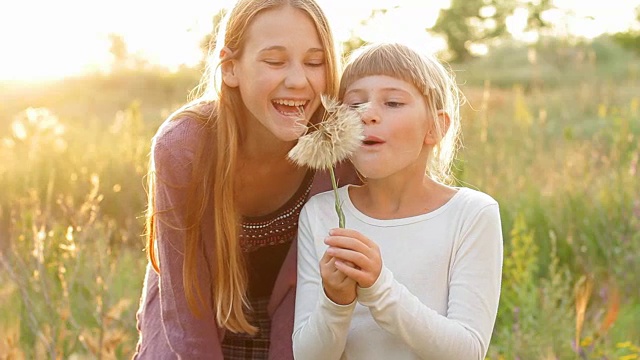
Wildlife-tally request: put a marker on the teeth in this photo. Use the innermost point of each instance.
(286, 102)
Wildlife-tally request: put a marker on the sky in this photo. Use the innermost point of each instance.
(45, 39)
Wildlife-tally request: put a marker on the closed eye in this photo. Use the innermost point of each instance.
(274, 62)
(394, 104)
(315, 63)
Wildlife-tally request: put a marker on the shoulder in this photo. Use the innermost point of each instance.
(184, 129)
(474, 200)
(324, 201)
(180, 136)
(327, 197)
(475, 208)
(469, 206)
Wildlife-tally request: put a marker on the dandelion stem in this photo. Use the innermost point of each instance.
(338, 203)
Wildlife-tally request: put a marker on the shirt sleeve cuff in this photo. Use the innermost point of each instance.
(333, 311)
(369, 295)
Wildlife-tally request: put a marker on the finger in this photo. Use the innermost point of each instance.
(336, 280)
(364, 278)
(350, 233)
(344, 262)
(347, 243)
(357, 259)
(329, 266)
(357, 275)
(329, 272)
(328, 260)
(325, 259)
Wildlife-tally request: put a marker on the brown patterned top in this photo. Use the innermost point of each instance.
(278, 227)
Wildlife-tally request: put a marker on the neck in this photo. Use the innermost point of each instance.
(264, 149)
(404, 194)
(394, 198)
(259, 144)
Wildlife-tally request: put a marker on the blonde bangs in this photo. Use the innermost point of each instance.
(384, 59)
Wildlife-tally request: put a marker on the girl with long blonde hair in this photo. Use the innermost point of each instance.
(224, 200)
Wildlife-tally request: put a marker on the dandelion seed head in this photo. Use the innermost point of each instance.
(332, 140)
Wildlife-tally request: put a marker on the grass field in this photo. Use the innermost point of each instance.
(557, 146)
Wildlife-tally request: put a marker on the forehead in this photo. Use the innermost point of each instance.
(283, 28)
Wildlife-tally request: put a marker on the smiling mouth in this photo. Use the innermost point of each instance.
(289, 107)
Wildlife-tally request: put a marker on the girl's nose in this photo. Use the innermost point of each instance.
(295, 77)
(370, 116)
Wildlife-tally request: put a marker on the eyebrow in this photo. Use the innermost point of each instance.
(282, 48)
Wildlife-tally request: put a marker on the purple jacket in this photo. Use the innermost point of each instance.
(168, 329)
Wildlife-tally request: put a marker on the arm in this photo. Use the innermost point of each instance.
(188, 336)
(474, 291)
(321, 326)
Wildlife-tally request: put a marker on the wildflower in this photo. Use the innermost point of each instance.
(335, 138)
(622, 345)
(629, 357)
(586, 342)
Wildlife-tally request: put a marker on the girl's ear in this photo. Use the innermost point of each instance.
(434, 135)
(228, 68)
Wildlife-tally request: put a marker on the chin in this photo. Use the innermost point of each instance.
(374, 174)
(290, 135)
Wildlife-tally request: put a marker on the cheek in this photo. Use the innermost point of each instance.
(318, 80)
(414, 134)
(263, 79)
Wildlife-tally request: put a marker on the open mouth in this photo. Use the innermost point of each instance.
(371, 141)
(289, 107)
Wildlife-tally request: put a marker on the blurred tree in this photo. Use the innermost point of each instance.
(477, 22)
(351, 44)
(123, 59)
(119, 51)
(630, 39)
(208, 42)
(535, 9)
(356, 41)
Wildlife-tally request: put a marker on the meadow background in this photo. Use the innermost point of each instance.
(551, 130)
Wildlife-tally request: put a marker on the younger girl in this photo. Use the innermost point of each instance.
(417, 273)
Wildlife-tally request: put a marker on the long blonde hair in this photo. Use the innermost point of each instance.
(213, 171)
(435, 82)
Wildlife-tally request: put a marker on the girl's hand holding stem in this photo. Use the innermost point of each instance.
(337, 286)
(354, 256)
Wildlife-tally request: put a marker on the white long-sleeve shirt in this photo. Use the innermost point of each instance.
(436, 297)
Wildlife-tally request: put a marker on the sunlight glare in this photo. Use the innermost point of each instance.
(68, 37)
